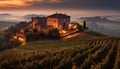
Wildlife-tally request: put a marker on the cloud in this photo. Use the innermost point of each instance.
(78, 4)
(14, 3)
(55, 1)
(69, 4)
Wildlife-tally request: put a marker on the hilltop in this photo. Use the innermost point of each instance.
(82, 51)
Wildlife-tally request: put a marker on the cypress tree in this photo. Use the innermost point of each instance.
(84, 25)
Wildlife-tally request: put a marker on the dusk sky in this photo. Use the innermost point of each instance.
(15, 11)
(74, 8)
(60, 4)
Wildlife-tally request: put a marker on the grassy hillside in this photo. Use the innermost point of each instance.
(88, 50)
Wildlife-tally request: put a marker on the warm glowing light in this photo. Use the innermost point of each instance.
(15, 37)
(70, 25)
(75, 27)
(63, 32)
(13, 3)
(21, 39)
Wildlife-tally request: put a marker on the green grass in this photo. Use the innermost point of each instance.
(81, 39)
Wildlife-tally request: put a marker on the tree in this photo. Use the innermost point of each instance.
(29, 36)
(1, 38)
(13, 43)
(6, 38)
(39, 35)
(26, 30)
(84, 25)
(35, 31)
(10, 32)
(53, 33)
(79, 27)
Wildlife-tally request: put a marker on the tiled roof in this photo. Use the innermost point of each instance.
(39, 17)
(59, 15)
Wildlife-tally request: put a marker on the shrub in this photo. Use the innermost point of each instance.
(1, 38)
(53, 33)
(10, 44)
(39, 35)
(79, 27)
(29, 36)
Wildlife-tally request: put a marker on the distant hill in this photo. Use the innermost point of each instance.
(104, 24)
(4, 24)
(29, 16)
(106, 19)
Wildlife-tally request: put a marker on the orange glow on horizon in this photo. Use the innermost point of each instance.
(13, 3)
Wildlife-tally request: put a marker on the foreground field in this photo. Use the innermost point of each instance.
(86, 51)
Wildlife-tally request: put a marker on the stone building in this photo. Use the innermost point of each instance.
(39, 23)
(58, 20)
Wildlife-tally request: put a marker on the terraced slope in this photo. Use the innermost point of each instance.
(84, 53)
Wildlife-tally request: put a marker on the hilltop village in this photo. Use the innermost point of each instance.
(60, 22)
(57, 20)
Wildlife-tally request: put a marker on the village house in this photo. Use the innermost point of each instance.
(58, 20)
(29, 25)
(39, 23)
